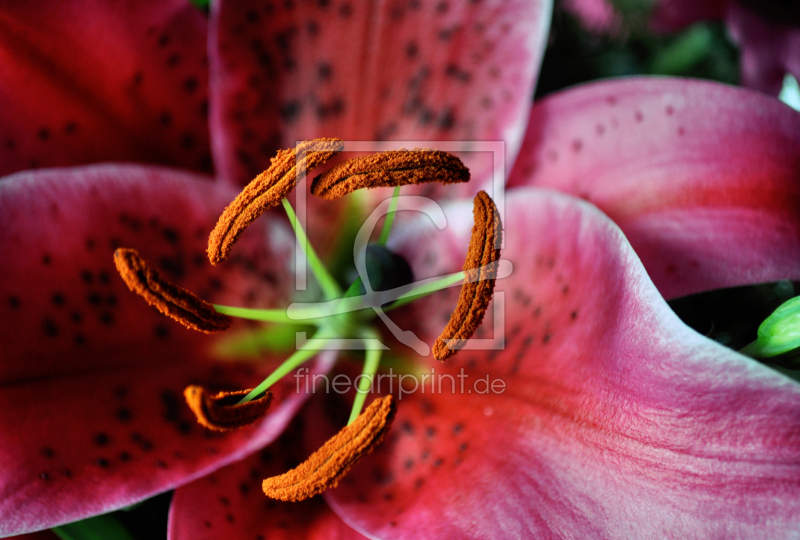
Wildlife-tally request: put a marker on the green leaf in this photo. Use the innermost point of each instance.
(103, 527)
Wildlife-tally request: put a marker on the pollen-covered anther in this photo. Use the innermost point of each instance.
(480, 269)
(222, 411)
(325, 467)
(169, 299)
(266, 190)
(390, 169)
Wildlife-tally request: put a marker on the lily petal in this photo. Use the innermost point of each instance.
(119, 81)
(769, 49)
(229, 503)
(422, 70)
(701, 177)
(91, 377)
(615, 421)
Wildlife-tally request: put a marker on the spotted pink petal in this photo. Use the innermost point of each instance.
(91, 378)
(673, 15)
(229, 504)
(89, 80)
(615, 421)
(366, 70)
(769, 49)
(701, 177)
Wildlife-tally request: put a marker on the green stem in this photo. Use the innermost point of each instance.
(425, 290)
(266, 315)
(293, 362)
(387, 224)
(326, 282)
(753, 350)
(371, 363)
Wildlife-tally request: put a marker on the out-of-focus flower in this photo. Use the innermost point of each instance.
(767, 32)
(609, 397)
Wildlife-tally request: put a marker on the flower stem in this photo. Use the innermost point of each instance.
(326, 282)
(428, 288)
(387, 224)
(371, 363)
(294, 361)
(266, 315)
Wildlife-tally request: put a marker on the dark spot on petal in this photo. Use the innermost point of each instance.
(87, 276)
(123, 414)
(188, 141)
(70, 128)
(639, 116)
(48, 452)
(546, 338)
(452, 70)
(577, 145)
(163, 40)
(324, 71)
(430, 432)
(44, 476)
(171, 404)
(43, 134)
(170, 235)
(121, 392)
(290, 111)
(46, 259)
(161, 331)
(90, 244)
(79, 339)
(244, 488)
(681, 131)
(160, 464)
(94, 298)
(67, 473)
(76, 317)
(58, 299)
(447, 119)
(669, 110)
(312, 28)
(101, 439)
(124, 457)
(13, 302)
(458, 428)
(173, 60)
(50, 328)
(190, 84)
(346, 10)
(442, 7)
(574, 315)
(252, 16)
(165, 119)
(101, 462)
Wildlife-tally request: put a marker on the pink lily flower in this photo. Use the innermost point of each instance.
(767, 33)
(617, 420)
